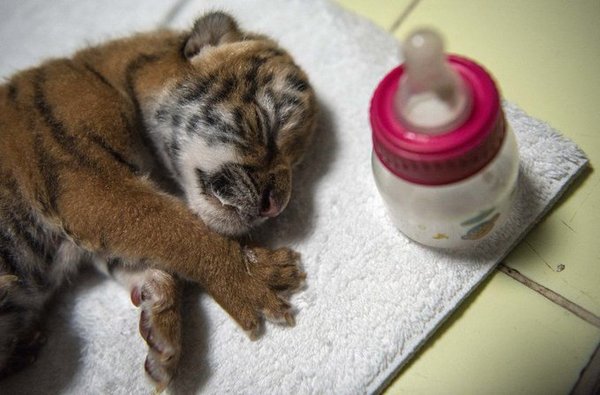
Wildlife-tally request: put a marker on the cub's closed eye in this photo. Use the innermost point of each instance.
(297, 83)
(220, 183)
(202, 178)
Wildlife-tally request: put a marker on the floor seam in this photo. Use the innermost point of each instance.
(403, 15)
(554, 297)
(589, 379)
(173, 12)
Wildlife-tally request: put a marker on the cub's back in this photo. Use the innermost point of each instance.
(76, 113)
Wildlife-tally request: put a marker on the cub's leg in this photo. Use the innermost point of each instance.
(34, 261)
(31, 271)
(20, 317)
(129, 218)
(157, 294)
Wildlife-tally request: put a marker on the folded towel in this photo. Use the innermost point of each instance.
(373, 296)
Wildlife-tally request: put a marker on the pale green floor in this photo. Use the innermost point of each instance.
(506, 338)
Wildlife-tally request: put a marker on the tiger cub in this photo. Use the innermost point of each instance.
(226, 113)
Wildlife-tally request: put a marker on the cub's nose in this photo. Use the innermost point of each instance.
(268, 205)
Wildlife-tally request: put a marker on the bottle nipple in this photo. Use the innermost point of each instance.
(432, 98)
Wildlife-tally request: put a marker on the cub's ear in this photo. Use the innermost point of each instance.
(211, 30)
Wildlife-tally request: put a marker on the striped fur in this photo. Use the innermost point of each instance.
(231, 135)
(84, 143)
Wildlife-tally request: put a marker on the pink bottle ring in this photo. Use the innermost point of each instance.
(443, 158)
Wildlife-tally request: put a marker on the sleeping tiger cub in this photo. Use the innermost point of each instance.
(225, 113)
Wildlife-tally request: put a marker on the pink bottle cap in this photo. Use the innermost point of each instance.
(437, 159)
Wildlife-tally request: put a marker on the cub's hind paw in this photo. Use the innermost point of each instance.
(160, 325)
(164, 346)
(271, 276)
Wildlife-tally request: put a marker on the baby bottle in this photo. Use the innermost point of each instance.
(445, 160)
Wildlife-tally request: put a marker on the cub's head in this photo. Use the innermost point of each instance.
(234, 126)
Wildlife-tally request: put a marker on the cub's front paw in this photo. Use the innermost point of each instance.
(160, 325)
(262, 289)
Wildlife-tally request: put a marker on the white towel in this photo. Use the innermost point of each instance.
(373, 296)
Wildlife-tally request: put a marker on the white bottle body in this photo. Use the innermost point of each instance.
(455, 215)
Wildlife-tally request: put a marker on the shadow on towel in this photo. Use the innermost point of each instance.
(194, 370)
